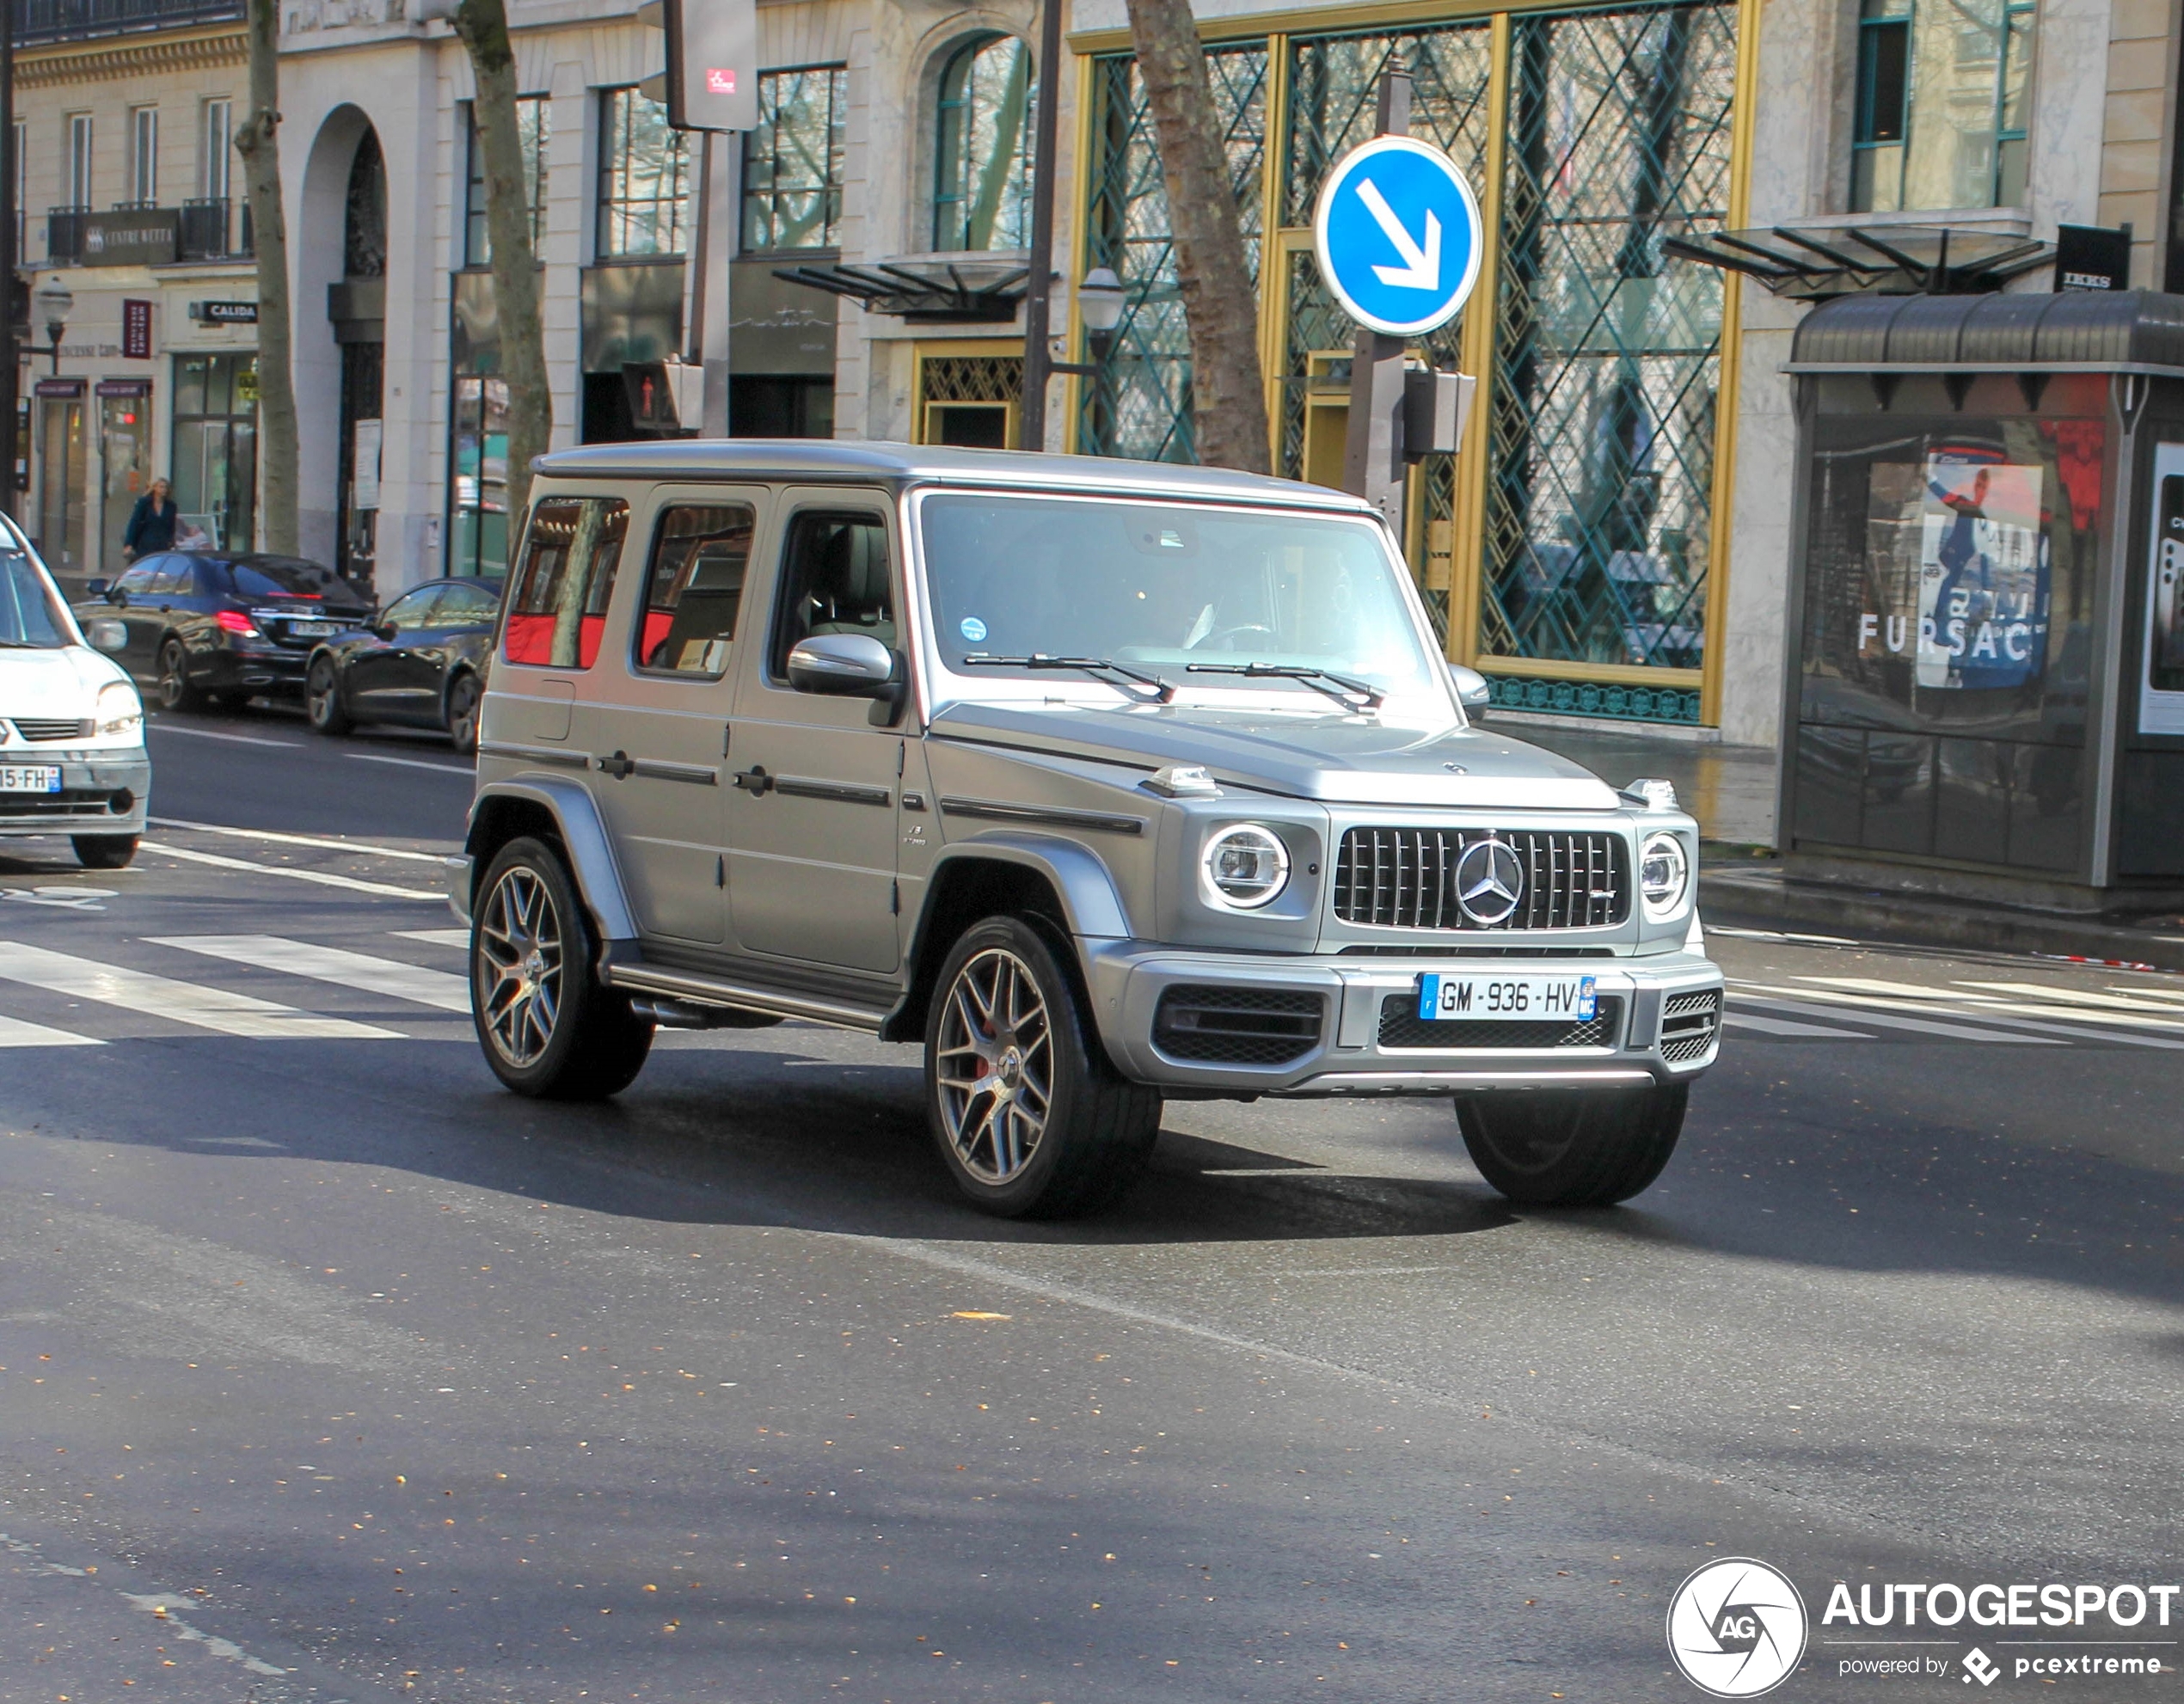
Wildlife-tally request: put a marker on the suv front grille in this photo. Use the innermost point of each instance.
(1402, 1027)
(51, 727)
(1688, 1026)
(1405, 878)
(1238, 1026)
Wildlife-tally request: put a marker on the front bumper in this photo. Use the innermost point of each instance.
(1664, 1025)
(101, 793)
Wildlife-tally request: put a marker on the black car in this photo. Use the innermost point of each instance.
(210, 626)
(421, 662)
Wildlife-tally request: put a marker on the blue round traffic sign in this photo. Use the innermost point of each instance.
(1397, 232)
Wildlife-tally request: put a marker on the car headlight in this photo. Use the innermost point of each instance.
(1664, 876)
(120, 710)
(1246, 866)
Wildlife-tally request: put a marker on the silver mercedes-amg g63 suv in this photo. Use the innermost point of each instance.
(1104, 782)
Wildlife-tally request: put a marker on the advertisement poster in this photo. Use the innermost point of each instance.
(2160, 698)
(1983, 575)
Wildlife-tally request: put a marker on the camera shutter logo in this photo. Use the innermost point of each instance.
(1736, 1628)
(1489, 881)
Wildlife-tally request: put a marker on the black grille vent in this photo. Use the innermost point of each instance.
(1404, 878)
(69, 802)
(1402, 1027)
(1238, 1026)
(1689, 1024)
(48, 727)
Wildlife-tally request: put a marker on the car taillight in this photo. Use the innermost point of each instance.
(234, 621)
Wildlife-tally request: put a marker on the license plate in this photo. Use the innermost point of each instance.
(310, 630)
(1474, 999)
(30, 778)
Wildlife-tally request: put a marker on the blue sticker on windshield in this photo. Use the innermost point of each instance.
(973, 629)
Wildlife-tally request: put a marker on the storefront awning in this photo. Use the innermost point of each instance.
(1812, 265)
(2079, 330)
(923, 290)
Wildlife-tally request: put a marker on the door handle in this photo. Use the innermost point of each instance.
(618, 765)
(754, 782)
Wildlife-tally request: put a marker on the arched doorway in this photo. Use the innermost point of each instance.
(358, 307)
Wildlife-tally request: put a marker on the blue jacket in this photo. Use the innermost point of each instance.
(150, 529)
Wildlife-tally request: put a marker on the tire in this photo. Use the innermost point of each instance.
(1573, 1148)
(176, 691)
(322, 698)
(104, 851)
(549, 1029)
(464, 698)
(1066, 1134)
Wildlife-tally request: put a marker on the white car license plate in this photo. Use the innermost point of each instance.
(1473, 999)
(30, 778)
(310, 630)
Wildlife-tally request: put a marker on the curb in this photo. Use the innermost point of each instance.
(1768, 900)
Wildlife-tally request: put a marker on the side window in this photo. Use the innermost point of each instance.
(834, 580)
(465, 604)
(558, 604)
(138, 581)
(412, 611)
(173, 578)
(700, 553)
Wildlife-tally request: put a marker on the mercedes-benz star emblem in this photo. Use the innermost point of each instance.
(1489, 881)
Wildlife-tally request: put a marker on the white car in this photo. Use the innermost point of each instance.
(72, 758)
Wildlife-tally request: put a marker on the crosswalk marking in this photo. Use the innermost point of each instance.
(1789, 999)
(15, 1033)
(330, 964)
(183, 1003)
(365, 848)
(437, 937)
(324, 877)
(2105, 1005)
(1784, 1026)
(1987, 1009)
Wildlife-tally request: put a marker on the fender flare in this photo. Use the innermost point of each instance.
(1091, 905)
(584, 836)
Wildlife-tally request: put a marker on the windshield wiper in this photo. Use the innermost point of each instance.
(1154, 689)
(1341, 688)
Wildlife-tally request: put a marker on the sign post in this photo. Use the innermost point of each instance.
(1398, 236)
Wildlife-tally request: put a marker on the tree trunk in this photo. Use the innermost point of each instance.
(1220, 302)
(257, 139)
(483, 26)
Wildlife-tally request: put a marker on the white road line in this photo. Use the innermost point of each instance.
(15, 1033)
(182, 1002)
(323, 878)
(2125, 1029)
(158, 726)
(1787, 999)
(2106, 1004)
(416, 763)
(330, 964)
(363, 849)
(436, 937)
(1783, 1026)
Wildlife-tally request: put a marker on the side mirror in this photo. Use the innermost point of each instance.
(386, 631)
(1471, 689)
(843, 665)
(98, 588)
(107, 636)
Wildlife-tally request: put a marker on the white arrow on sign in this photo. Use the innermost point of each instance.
(1421, 267)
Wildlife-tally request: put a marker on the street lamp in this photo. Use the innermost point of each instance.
(53, 300)
(1100, 299)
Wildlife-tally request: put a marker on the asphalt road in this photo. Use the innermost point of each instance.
(328, 1371)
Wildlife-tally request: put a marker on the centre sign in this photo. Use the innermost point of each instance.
(1398, 236)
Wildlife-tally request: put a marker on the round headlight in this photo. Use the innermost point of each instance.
(119, 709)
(1246, 866)
(1663, 874)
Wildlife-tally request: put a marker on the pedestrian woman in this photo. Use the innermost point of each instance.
(151, 522)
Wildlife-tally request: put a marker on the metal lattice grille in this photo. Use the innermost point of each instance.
(1607, 353)
(1690, 1025)
(1406, 878)
(1238, 1026)
(1402, 1027)
(1139, 405)
(974, 378)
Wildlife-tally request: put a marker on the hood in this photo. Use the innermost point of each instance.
(1342, 759)
(63, 682)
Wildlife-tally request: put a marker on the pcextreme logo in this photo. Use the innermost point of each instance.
(1736, 1628)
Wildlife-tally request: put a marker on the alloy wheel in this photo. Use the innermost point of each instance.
(462, 719)
(996, 1065)
(318, 694)
(519, 966)
(174, 679)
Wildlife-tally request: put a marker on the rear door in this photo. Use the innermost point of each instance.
(663, 747)
(813, 786)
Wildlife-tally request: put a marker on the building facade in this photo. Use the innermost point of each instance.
(1611, 542)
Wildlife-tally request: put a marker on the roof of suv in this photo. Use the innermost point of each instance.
(699, 459)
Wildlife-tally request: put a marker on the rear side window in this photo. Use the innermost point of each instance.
(558, 605)
(834, 580)
(694, 589)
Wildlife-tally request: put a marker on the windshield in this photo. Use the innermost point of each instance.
(27, 614)
(1189, 593)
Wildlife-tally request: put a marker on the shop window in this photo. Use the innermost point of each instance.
(1942, 100)
(982, 186)
(480, 475)
(792, 164)
(216, 446)
(558, 606)
(644, 178)
(534, 128)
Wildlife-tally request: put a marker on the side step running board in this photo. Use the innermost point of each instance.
(704, 990)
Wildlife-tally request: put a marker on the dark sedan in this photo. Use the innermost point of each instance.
(206, 626)
(421, 663)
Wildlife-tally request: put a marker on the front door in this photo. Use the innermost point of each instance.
(813, 787)
(663, 750)
(385, 680)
